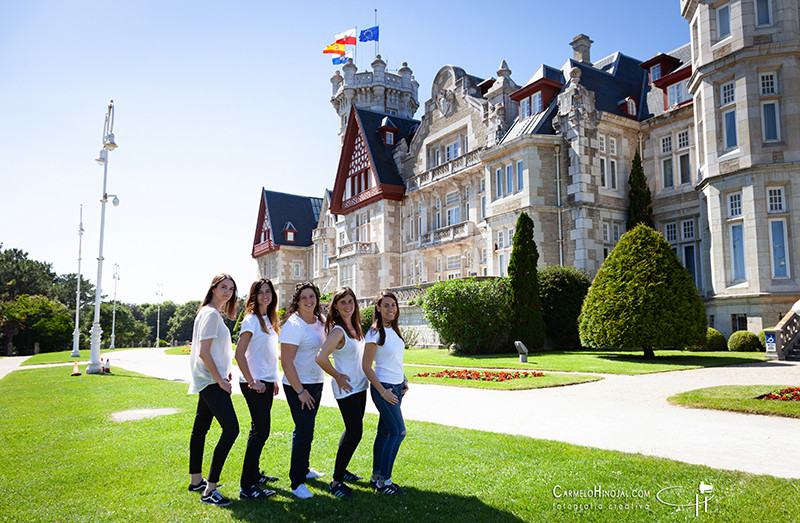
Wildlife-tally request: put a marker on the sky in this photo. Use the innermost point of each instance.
(215, 100)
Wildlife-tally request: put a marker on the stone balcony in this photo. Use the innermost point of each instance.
(439, 172)
(351, 249)
(447, 234)
(322, 233)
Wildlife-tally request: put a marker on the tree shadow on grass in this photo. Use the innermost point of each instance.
(694, 360)
(367, 505)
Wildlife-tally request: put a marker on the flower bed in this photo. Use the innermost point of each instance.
(788, 394)
(479, 375)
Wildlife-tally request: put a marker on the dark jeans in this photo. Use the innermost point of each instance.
(352, 409)
(212, 403)
(260, 405)
(303, 432)
(391, 431)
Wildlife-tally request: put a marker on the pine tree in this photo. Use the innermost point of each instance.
(640, 206)
(528, 325)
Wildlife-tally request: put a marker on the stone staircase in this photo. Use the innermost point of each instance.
(787, 336)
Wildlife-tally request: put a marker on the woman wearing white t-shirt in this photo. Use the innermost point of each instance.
(301, 337)
(257, 356)
(384, 346)
(210, 362)
(345, 342)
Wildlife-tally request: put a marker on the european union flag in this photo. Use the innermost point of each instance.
(369, 34)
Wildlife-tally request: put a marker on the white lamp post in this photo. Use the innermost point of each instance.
(160, 295)
(114, 313)
(76, 334)
(96, 332)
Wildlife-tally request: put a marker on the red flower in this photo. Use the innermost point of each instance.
(479, 375)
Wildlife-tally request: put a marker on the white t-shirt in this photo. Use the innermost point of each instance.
(347, 360)
(208, 324)
(388, 357)
(262, 351)
(308, 338)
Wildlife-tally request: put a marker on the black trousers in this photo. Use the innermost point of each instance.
(260, 405)
(352, 409)
(303, 433)
(212, 403)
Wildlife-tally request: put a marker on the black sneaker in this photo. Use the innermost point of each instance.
(390, 488)
(255, 492)
(373, 483)
(341, 490)
(215, 498)
(263, 478)
(349, 476)
(200, 487)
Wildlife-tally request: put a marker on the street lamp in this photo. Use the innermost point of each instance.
(114, 313)
(160, 295)
(96, 332)
(76, 334)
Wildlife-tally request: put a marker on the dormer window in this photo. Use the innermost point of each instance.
(631, 107)
(290, 236)
(628, 106)
(289, 232)
(530, 105)
(389, 138)
(655, 72)
(536, 103)
(678, 93)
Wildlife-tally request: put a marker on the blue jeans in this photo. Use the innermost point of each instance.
(391, 431)
(303, 433)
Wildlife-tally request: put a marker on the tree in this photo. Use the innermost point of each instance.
(528, 324)
(19, 275)
(562, 290)
(65, 287)
(30, 319)
(182, 322)
(640, 201)
(125, 327)
(642, 298)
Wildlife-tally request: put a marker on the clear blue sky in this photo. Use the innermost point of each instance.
(215, 100)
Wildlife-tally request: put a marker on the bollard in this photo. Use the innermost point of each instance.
(523, 351)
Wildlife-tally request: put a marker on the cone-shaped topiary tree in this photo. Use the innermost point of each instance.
(528, 325)
(640, 201)
(642, 298)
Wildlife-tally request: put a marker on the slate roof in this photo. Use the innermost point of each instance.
(653, 96)
(619, 78)
(541, 123)
(385, 168)
(301, 211)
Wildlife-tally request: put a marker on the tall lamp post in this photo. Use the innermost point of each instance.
(96, 332)
(76, 334)
(160, 295)
(114, 313)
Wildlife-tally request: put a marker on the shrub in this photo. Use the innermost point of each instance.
(523, 282)
(743, 341)
(411, 335)
(562, 290)
(367, 314)
(642, 298)
(471, 316)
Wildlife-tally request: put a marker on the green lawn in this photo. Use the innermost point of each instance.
(64, 460)
(64, 356)
(536, 382)
(738, 398)
(611, 362)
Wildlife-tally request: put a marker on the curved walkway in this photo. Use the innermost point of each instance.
(619, 412)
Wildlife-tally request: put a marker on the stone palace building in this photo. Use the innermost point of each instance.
(417, 200)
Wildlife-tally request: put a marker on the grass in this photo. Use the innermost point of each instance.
(64, 460)
(179, 351)
(64, 356)
(602, 361)
(536, 382)
(738, 398)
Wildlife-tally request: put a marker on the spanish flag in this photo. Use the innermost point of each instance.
(335, 48)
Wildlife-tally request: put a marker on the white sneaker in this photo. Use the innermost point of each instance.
(313, 474)
(302, 492)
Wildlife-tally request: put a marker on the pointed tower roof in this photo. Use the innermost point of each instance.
(279, 212)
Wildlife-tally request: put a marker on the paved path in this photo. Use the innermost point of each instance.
(625, 413)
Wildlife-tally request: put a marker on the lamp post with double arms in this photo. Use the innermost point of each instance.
(76, 334)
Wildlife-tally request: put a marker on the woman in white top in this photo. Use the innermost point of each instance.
(301, 337)
(384, 347)
(346, 343)
(257, 356)
(210, 362)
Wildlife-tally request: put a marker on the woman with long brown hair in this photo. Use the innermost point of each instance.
(384, 346)
(345, 341)
(210, 362)
(257, 356)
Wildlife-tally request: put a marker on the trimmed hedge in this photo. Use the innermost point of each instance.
(367, 314)
(743, 341)
(562, 290)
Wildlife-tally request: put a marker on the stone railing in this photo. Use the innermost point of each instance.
(354, 248)
(786, 336)
(445, 234)
(441, 171)
(321, 232)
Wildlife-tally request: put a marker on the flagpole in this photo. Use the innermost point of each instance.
(355, 50)
(377, 42)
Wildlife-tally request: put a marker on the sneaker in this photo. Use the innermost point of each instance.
(255, 492)
(200, 487)
(263, 478)
(302, 492)
(313, 474)
(389, 488)
(341, 490)
(373, 483)
(349, 476)
(215, 498)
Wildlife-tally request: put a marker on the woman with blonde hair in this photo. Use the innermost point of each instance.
(345, 341)
(210, 362)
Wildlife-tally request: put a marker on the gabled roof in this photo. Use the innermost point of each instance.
(370, 122)
(281, 211)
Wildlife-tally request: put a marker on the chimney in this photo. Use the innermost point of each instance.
(581, 46)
